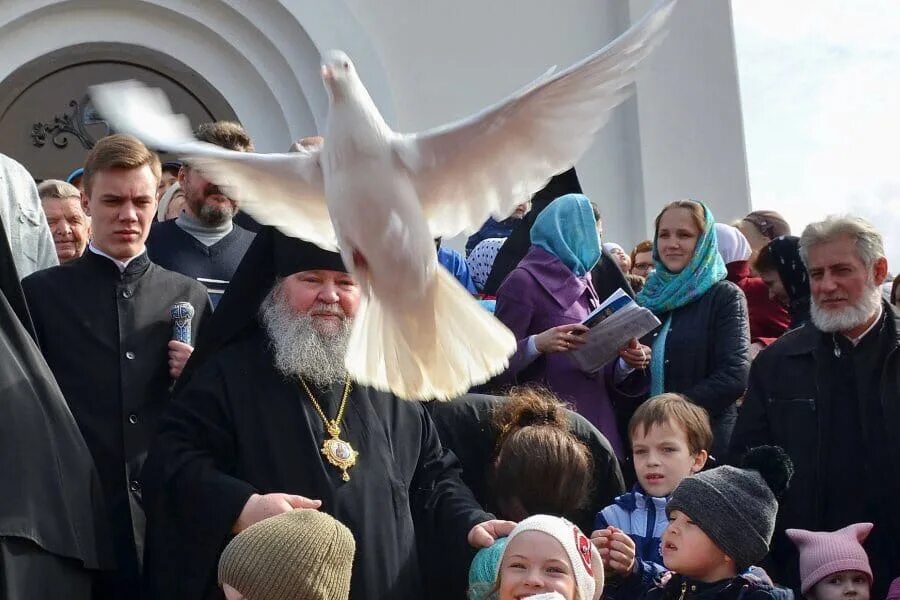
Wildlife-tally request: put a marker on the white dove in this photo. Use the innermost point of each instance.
(381, 198)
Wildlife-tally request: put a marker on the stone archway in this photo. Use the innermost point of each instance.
(47, 122)
(262, 57)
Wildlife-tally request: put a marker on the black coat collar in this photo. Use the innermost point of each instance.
(135, 268)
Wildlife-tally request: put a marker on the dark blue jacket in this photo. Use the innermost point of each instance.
(685, 588)
(173, 248)
(491, 229)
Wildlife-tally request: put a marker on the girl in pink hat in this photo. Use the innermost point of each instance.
(833, 564)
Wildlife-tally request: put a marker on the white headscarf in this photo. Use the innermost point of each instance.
(166, 200)
(733, 246)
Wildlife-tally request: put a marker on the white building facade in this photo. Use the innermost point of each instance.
(425, 62)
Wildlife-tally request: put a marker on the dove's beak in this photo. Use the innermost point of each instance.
(327, 73)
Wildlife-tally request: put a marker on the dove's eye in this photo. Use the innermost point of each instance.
(346, 65)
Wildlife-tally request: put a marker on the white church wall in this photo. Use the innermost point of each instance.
(231, 67)
(259, 55)
(690, 124)
(681, 136)
(446, 60)
(427, 62)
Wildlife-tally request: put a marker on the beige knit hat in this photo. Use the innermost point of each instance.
(302, 554)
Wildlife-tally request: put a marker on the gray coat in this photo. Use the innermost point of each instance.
(26, 226)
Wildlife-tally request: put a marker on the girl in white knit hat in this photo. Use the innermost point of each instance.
(547, 557)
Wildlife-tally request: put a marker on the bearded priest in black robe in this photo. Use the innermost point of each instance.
(266, 420)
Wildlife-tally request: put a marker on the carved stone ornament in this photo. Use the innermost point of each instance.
(71, 123)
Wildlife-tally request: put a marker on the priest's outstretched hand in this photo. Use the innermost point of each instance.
(484, 534)
(260, 507)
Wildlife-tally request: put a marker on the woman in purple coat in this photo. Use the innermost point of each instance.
(543, 301)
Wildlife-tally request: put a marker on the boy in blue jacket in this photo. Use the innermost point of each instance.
(720, 523)
(670, 440)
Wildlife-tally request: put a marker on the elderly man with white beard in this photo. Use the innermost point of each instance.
(829, 393)
(266, 420)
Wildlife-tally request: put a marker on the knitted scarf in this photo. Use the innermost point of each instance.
(666, 291)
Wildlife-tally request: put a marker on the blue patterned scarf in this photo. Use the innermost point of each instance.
(665, 291)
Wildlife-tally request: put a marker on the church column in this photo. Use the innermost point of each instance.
(690, 126)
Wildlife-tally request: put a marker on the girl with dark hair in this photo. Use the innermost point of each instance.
(782, 270)
(540, 467)
(522, 455)
(527, 453)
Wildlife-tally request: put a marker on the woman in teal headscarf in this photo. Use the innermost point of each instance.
(543, 301)
(702, 349)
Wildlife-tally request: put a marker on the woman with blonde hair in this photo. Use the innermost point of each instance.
(702, 349)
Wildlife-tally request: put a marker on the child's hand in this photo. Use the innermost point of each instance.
(600, 539)
(616, 549)
(621, 552)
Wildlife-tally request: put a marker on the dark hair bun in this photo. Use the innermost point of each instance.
(527, 407)
(774, 464)
(536, 415)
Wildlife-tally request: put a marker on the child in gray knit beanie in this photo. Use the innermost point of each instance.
(721, 522)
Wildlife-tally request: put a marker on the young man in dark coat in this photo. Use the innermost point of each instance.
(103, 323)
(269, 421)
(205, 242)
(829, 393)
(54, 536)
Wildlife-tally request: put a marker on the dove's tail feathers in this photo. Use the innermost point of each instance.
(437, 350)
(133, 108)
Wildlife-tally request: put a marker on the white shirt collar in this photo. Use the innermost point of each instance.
(119, 263)
(855, 341)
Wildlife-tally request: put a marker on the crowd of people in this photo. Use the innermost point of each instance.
(743, 449)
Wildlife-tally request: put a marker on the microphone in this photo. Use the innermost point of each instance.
(181, 313)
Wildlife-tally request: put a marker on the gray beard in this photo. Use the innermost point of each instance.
(216, 216)
(301, 350)
(831, 321)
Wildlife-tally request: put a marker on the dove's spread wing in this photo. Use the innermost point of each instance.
(284, 190)
(487, 164)
(133, 108)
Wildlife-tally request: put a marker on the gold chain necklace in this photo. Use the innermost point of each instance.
(338, 452)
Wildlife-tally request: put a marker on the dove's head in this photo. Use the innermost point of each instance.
(338, 72)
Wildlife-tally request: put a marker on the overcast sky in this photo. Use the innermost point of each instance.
(820, 87)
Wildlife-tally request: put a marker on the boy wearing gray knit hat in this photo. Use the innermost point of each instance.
(721, 522)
